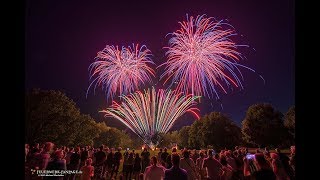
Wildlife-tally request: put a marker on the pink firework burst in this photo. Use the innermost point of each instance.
(121, 70)
(202, 57)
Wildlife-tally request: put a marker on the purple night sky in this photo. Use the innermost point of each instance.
(63, 37)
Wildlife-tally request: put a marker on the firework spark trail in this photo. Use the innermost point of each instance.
(151, 112)
(202, 56)
(121, 70)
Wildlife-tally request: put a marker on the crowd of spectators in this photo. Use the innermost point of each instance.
(104, 163)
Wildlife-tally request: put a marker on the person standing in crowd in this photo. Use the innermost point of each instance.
(44, 156)
(74, 163)
(125, 163)
(87, 170)
(68, 155)
(264, 170)
(56, 164)
(195, 156)
(91, 152)
(169, 158)
(249, 165)
(33, 160)
(285, 162)
(84, 155)
(145, 159)
(175, 172)
(100, 157)
(238, 172)
(205, 154)
(159, 155)
(164, 156)
(130, 163)
(137, 166)
(106, 150)
(187, 164)
(110, 161)
(116, 162)
(213, 167)
(230, 160)
(65, 149)
(154, 172)
(199, 163)
(278, 168)
(267, 156)
(226, 169)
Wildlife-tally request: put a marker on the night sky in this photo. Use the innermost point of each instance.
(63, 37)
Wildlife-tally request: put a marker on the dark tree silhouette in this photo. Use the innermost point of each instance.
(184, 136)
(216, 130)
(263, 126)
(290, 120)
(52, 116)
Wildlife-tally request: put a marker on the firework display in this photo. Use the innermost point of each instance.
(121, 71)
(202, 57)
(151, 113)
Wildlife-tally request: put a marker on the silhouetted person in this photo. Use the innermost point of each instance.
(159, 155)
(169, 158)
(187, 164)
(145, 159)
(226, 168)
(137, 166)
(56, 164)
(199, 163)
(68, 155)
(285, 162)
(195, 155)
(212, 166)
(100, 158)
(110, 161)
(84, 155)
(125, 164)
(116, 162)
(130, 163)
(278, 168)
(74, 162)
(175, 172)
(164, 156)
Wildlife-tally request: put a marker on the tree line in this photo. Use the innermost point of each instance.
(263, 126)
(52, 116)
